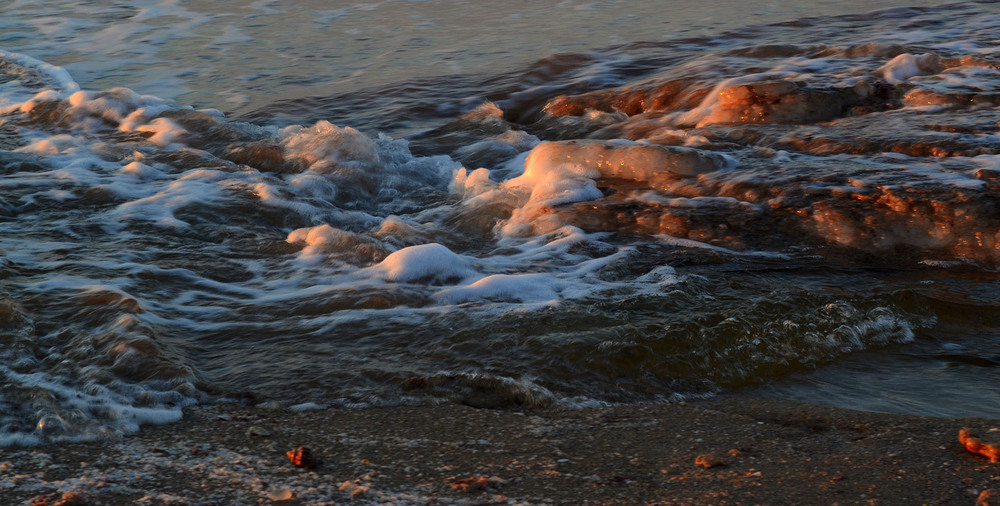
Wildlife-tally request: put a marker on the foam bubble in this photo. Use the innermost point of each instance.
(423, 263)
(164, 131)
(88, 413)
(505, 287)
(906, 65)
(141, 171)
(325, 147)
(468, 184)
(324, 242)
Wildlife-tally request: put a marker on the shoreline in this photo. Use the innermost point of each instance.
(732, 449)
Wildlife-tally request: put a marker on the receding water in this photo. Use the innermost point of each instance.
(516, 205)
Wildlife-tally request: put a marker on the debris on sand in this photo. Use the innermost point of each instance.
(303, 457)
(474, 483)
(988, 497)
(978, 446)
(708, 461)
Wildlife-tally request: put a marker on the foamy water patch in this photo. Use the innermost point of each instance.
(81, 403)
(151, 236)
(199, 186)
(529, 273)
(567, 172)
(505, 287)
(30, 76)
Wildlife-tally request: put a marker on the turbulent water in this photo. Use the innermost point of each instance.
(639, 210)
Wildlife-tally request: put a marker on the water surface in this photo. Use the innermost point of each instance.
(505, 206)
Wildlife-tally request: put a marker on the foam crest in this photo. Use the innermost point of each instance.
(28, 77)
(903, 67)
(75, 415)
(469, 184)
(505, 288)
(323, 241)
(326, 148)
(430, 263)
(625, 160)
(559, 173)
(199, 186)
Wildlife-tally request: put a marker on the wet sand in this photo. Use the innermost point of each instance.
(728, 450)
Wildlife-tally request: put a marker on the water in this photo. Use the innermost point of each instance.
(517, 205)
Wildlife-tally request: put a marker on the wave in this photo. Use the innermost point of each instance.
(625, 227)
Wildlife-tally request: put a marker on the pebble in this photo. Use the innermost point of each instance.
(280, 495)
(258, 431)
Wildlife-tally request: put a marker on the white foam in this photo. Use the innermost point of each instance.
(937, 173)
(426, 262)
(990, 162)
(48, 146)
(467, 185)
(662, 275)
(654, 198)
(141, 171)
(507, 144)
(505, 287)
(903, 67)
(338, 187)
(317, 239)
(165, 131)
(558, 173)
(198, 186)
(19, 439)
(14, 94)
(324, 242)
(324, 147)
(111, 409)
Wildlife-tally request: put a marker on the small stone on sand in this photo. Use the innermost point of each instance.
(280, 495)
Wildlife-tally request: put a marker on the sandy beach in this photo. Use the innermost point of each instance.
(728, 450)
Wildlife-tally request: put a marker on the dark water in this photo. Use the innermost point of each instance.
(807, 208)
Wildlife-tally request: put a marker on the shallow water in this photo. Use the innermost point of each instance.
(370, 205)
